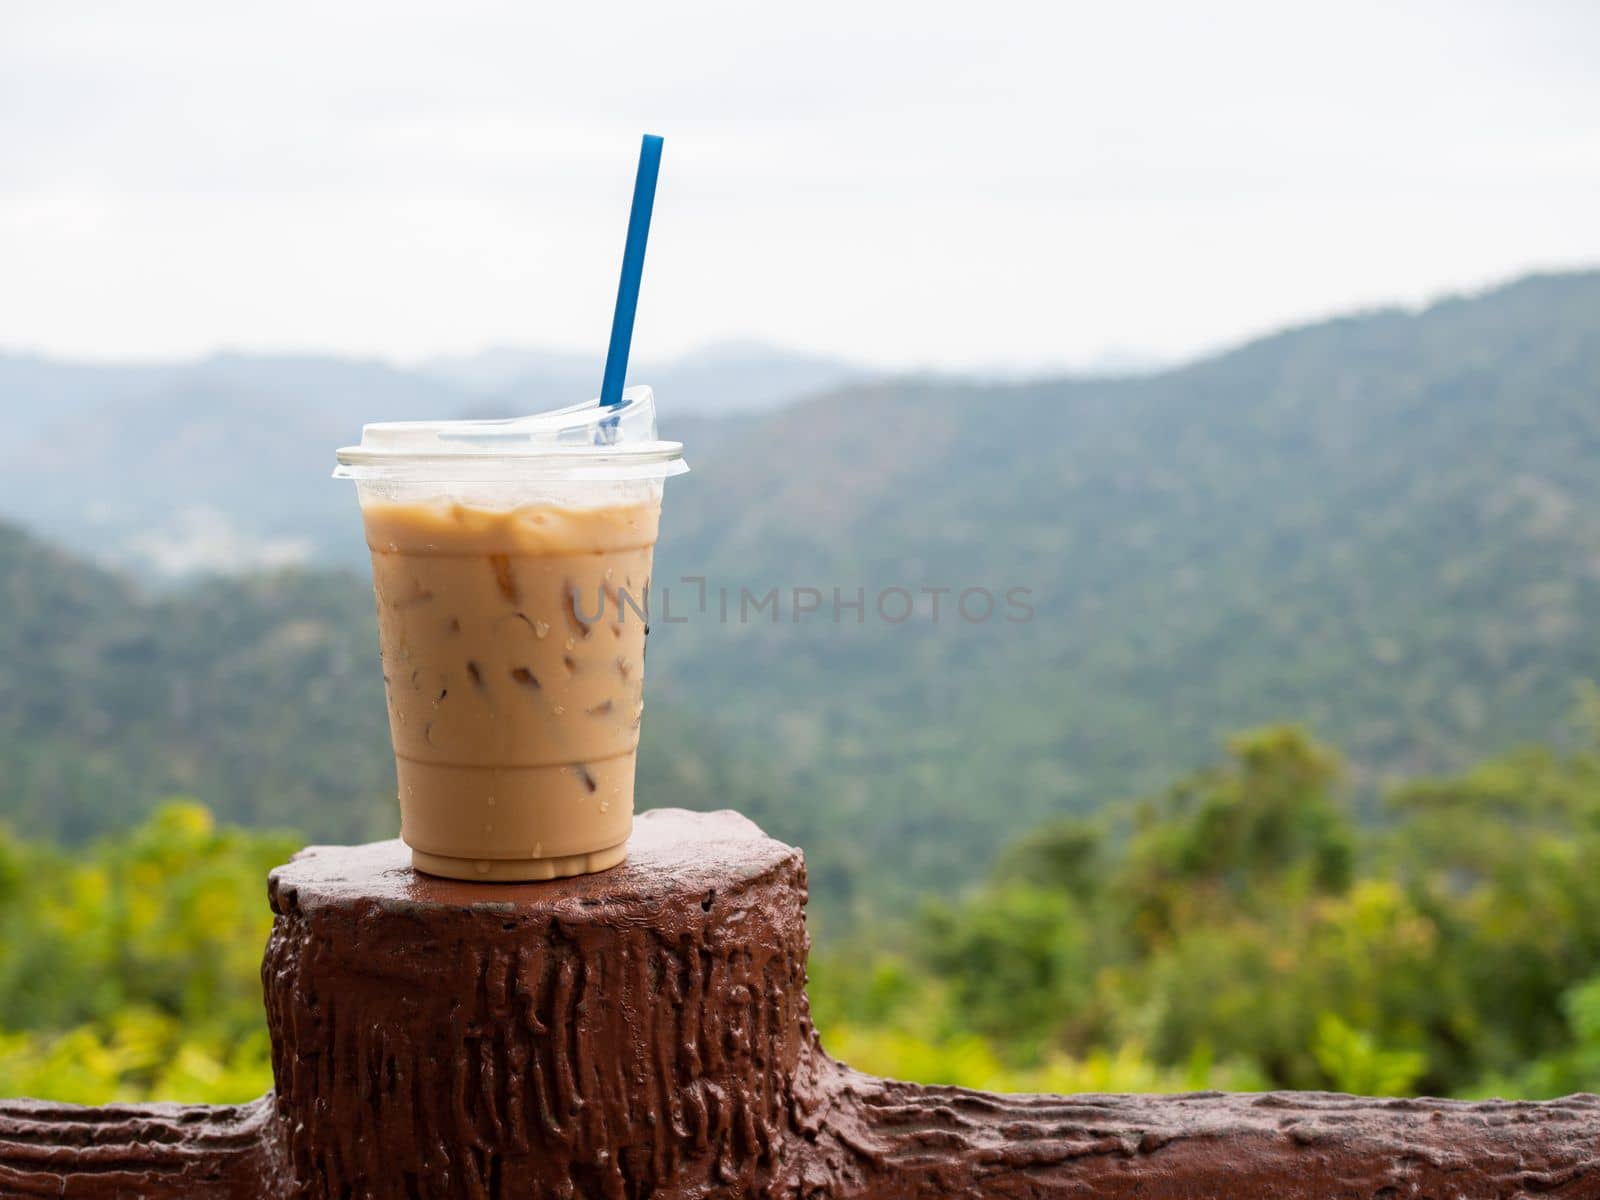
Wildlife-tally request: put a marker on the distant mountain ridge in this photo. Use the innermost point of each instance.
(222, 463)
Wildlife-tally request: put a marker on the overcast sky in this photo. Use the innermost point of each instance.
(917, 183)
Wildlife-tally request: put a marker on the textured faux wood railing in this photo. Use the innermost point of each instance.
(645, 1033)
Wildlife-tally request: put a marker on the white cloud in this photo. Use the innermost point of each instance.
(903, 182)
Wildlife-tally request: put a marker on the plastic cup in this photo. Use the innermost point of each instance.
(511, 566)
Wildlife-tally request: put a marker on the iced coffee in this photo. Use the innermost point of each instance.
(512, 617)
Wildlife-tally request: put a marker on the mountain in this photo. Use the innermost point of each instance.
(220, 464)
(1386, 526)
(223, 464)
(37, 393)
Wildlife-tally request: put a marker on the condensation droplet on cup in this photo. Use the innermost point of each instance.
(559, 709)
(605, 806)
(538, 849)
(483, 868)
(572, 643)
(489, 801)
(541, 628)
(488, 828)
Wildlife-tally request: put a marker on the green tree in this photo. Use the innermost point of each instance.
(131, 969)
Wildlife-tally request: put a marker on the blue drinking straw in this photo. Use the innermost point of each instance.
(644, 199)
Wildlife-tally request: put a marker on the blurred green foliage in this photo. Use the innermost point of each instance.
(1240, 930)
(1243, 930)
(131, 969)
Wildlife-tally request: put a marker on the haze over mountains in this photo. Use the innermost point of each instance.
(222, 464)
(1387, 526)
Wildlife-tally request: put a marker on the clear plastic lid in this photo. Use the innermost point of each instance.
(585, 441)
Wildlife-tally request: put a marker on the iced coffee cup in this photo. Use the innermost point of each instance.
(511, 564)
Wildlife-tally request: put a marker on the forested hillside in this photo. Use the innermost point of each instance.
(1385, 527)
